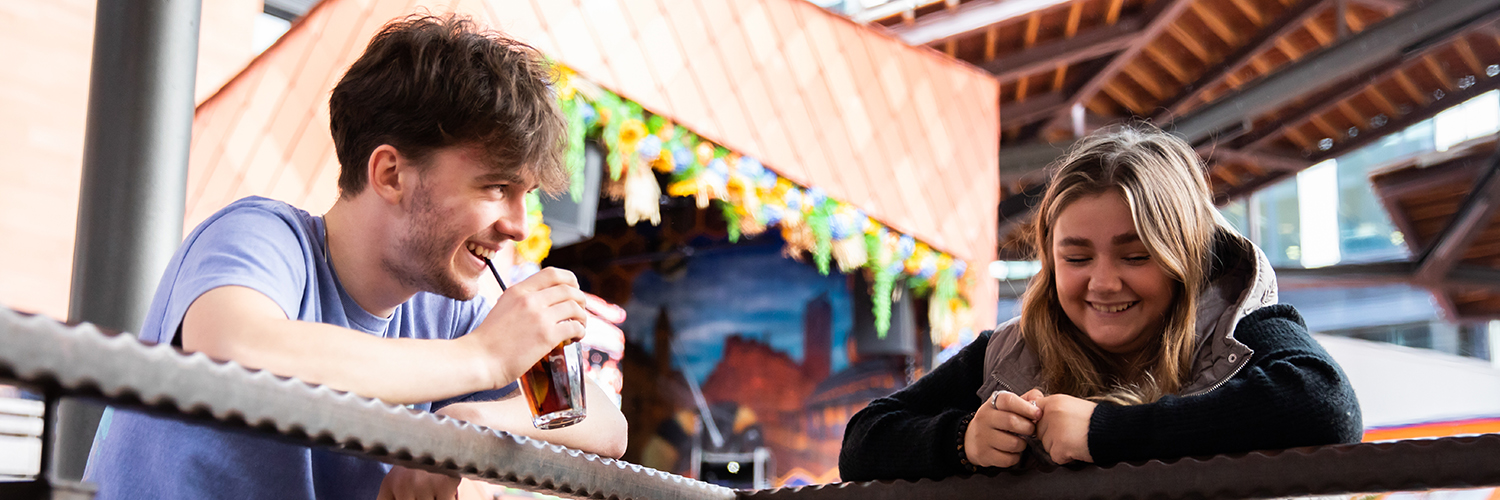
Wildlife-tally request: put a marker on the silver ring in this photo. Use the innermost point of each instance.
(992, 400)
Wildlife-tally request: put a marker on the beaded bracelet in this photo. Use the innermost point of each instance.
(963, 428)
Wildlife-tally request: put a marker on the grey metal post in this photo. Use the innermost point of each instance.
(140, 122)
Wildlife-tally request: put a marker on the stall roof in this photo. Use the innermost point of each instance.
(904, 133)
(1444, 204)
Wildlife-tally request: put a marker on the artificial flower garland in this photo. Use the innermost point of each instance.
(752, 199)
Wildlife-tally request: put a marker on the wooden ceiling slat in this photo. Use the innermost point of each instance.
(1122, 96)
(1250, 11)
(1466, 52)
(1286, 47)
(1437, 72)
(1021, 87)
(1352, 18)
(1161, 15)
(1075, 13)
(1146, 81)
(1046, 55)
(1297, 137)
(1189, 41)
(1059, 78)
(1328, 129)
(1381, 101)
(1273, 34)
(1315, 28)
(1113, 14)
(1033, 23)
(1216, 23)
(1260, 65)
(1225, 174)
(1355, 117)
(991, 38)
(1167, 63)
(1412, 91)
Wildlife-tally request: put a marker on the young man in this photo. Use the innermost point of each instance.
(440, 131)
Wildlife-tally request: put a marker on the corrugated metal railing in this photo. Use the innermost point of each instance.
(82, 360)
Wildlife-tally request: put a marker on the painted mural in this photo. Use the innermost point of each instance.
(740, 369)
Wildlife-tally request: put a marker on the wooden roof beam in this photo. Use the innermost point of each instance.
(1161, 15)
(1284, 24)
(1346, 88)
(1394, 125)
(1047, 56)
(1036, 107)
(1473, 216)
(1426, 23)
(1273, 161)
(1387, 6)
(1384, 273)
(969, 17)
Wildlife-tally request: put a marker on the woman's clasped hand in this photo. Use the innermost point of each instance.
(996, 435)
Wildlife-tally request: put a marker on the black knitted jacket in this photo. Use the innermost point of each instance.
(1291, 394)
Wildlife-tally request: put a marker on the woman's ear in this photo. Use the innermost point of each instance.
(384, 173)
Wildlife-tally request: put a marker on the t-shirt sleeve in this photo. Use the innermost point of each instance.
(249, 247)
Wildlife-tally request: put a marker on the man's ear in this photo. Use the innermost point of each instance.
(384, 171)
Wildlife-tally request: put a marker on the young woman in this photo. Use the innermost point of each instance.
(1152, 331)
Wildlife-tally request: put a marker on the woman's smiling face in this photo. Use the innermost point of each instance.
(1108, 284)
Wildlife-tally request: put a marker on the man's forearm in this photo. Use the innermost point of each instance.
(603, 432)
(400, 371)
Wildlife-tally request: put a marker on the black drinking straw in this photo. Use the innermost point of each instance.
(496, 273)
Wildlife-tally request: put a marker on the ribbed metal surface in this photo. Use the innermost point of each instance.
(1361, 468)
(82, 360)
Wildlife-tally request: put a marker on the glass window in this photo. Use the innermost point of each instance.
(1366, 233)
(1235, 214)
(1476, 117)
(1280, 227)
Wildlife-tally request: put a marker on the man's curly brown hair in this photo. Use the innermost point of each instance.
(427, 82)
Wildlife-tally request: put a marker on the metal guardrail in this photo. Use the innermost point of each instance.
(82, 360)
(1461, 462)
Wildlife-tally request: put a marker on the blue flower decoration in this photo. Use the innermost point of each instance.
(589, 114)
(794, 199)
(718, 173)
(816, 197)
(682, 158)
(751, 167)
(895, 267)
(649, 148)
(771, 214)
(905, 247)
(958, 268)
(841, 225)
(928, 270)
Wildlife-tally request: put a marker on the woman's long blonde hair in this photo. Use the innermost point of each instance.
(1162, 180)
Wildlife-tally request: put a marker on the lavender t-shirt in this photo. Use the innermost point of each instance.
(278, 250)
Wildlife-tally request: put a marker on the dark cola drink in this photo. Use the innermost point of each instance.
(554, 388)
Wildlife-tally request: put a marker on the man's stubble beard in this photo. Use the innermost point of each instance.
(425, 259)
